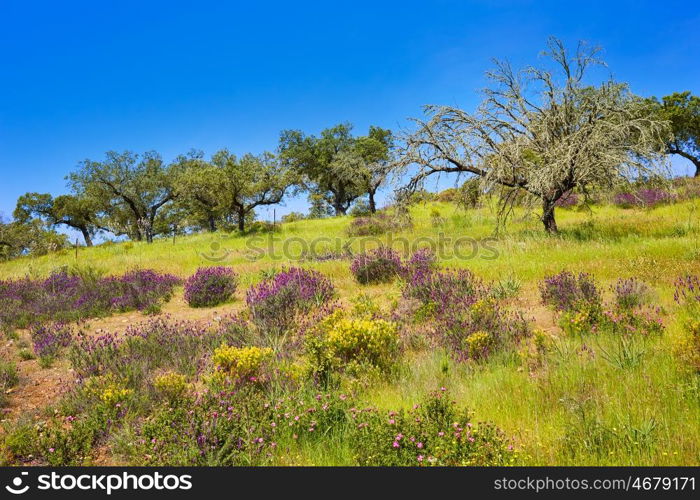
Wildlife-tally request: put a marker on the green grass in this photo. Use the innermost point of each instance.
(581, 407)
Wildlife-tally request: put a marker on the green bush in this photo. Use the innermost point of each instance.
(435, 432)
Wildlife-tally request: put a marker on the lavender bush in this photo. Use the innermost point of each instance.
(374, 225)
(443, 288)
(422, 261)
(648, 197)
(161, 343)
(48, 341)
(630, 293)
(567, 292)
(688, 290)
(568, 200)
(469, 323)
(210, 286)
(66, 297)
(381, 265)
(275, 302)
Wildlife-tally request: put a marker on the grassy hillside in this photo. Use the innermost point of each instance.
(655, 244)
(586, 403)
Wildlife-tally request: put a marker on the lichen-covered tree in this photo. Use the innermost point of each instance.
(543, 131)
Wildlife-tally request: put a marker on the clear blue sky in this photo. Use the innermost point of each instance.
(80, 78)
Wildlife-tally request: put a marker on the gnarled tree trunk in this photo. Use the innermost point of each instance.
(550, 223)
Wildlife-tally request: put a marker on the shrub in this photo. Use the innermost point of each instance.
(630, 293)
(276, 301)
(376, 224)
(566, 292)
(476, 331)
(381, 265)
(360, 209)
(580, 321)
(629, 322)
(568, 200)
(370, 341)
(422, 261)
(293, 217)
(172, 386)
(469, 194)
(65, 297)
(646, 197)
(150, 347)
(443, 288)
(435, 432)
(210, 286)
(468, 321)
(49, 339)
(449, 195)
(241, 363)
(687, 291)
(354, 344)
(8, 379)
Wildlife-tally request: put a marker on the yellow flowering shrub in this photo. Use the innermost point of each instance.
(173, 386)
(373, 341)
(115, 393)
(106, 389)
(478, 344)
(241, 362)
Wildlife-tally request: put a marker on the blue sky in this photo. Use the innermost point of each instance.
(80, 78)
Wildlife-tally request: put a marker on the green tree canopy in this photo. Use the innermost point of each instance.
(251, 182)
(682, 109)
(133, 188)
(77, 212)
(336, 166)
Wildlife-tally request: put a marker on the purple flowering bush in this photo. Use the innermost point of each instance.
(630, 293)
(568, 200)
(210, 286)
(160, 343)
(567, 292)
(467, 320)
(435, 432)
(49, 339)
(440, 289)
(67, 297)
(687, 291)
(422, 261)
(376, 224)
(275, 302)
(381, 265)
(647, 197)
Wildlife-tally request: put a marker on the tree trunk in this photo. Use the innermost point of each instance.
(212, 223)
(241, 220)
(86, 236)
(696, 162)
(372, 203)
(339, 208)
(550, 223)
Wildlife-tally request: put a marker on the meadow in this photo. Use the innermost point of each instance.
(461, 355)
